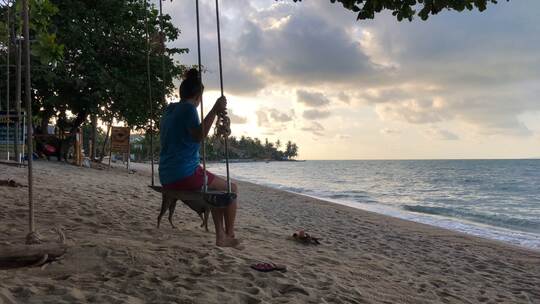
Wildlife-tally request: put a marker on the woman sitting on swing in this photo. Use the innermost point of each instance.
(181, 137)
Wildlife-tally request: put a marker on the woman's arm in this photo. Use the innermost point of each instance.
(208, 121)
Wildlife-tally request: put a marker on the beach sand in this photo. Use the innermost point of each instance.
(116, 254)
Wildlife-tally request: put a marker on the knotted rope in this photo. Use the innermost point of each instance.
(223, 126)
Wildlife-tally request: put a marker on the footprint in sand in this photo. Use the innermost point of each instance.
(288, 288)
(253, 291)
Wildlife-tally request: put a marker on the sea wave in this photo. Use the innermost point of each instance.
(499, 220)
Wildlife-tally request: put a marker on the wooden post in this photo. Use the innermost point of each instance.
(120, 143)
(110, 154)
(128, 157)
(93, 148)
(105, 143)
(78, 148)
(31, 237)
(7, 80)
(79, 151)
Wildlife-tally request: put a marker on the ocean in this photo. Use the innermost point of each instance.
(496, 199)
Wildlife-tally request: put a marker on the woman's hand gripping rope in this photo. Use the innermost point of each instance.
(223, 124)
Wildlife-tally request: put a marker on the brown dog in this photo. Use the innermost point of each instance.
(169, 203)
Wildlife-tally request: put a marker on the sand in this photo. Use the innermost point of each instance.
(116, 254)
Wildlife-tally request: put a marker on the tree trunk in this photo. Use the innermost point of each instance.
(18, 102)
(105, 142)
(45, 118)
(93, 136)
(67, 141)
(81, 117)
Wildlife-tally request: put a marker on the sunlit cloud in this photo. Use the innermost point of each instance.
(237, 119)
(389, 131)
(313, 114)
(439, 134)
(315, 128)
(311, 99)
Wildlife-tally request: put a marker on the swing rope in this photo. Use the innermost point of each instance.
(149, 90)
(223, 124)
(205, 184)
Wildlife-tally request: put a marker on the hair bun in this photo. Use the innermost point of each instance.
(191, 74)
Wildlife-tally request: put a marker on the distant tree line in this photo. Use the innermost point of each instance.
(244, 148)
(250, 148)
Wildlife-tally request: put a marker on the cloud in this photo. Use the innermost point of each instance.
(262, 118)
(236, 119)
(280, 116)
(412, 111)
(272, 118)
(439, 134)
(241, 80)
(388, 131)
(315, 128)
(344, 97)
(311, 49)
(311, 99)
(315, 114)
(487, 114)
(375, 96)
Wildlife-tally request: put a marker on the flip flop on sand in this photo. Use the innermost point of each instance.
(303, 237)
(267, 267)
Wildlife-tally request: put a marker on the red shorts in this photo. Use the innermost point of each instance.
(194, 182)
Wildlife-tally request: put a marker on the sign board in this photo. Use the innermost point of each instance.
(120, 139)
(8, 123)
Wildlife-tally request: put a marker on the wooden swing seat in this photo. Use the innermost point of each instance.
(209, 199)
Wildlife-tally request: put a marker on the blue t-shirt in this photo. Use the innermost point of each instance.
(179, 155)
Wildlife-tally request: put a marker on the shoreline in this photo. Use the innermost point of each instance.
(525, 239)
(522, 239)
(431, 220)
(117, 255)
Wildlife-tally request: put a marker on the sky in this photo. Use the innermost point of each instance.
(460, 85)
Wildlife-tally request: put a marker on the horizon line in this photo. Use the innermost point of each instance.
(380, 159)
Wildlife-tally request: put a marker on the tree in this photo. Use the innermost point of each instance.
(288, 149)
(407, 9)
(45, 48)
(291, 150)
(294, 151)
(103, 71)
(244, 148)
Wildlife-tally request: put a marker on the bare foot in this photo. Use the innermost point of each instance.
(227, 242)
